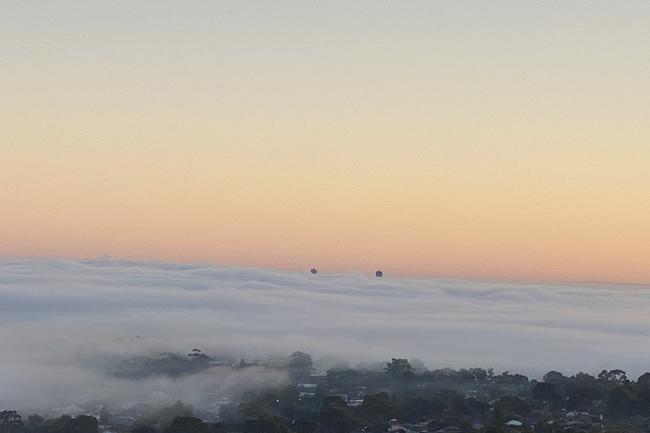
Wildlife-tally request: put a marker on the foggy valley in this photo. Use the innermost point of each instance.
(68, 327)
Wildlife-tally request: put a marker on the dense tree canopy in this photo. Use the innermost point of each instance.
(370, 400)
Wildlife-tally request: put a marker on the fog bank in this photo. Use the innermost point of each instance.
(63, 322)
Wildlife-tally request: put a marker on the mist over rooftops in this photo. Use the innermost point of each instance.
(74, 317)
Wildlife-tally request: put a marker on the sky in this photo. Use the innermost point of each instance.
(504, 140)
(69, 322)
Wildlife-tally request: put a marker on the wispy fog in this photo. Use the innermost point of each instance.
(63, 324)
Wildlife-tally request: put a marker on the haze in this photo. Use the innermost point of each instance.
(65, 323)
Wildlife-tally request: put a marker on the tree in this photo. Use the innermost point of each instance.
(300, 365)
(265, 424)
(584, 389)
(545, 392)
(622, 401)
(643, 385)
(614, 377)
(517, 382)
(559, 381)
(476, 408)
(67, 424)
(474, 375)
(643, 380)
(509, 406)
(10, 422)
(144, 429)
(34, 423)
(337, 420)
(555, 377)
(335, 416)
(196, 355)
(187, 424)
(84, 424)
(300, 361)
(257, 405)
(307, 426)
(399, 368)
(377, 408)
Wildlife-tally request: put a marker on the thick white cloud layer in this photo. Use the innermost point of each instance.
(62, 321)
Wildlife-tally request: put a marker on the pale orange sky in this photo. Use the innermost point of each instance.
(500, 140)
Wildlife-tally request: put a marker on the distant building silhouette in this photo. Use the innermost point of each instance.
(313, 270)
(379, 273)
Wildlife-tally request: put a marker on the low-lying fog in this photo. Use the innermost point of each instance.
(64, 324)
